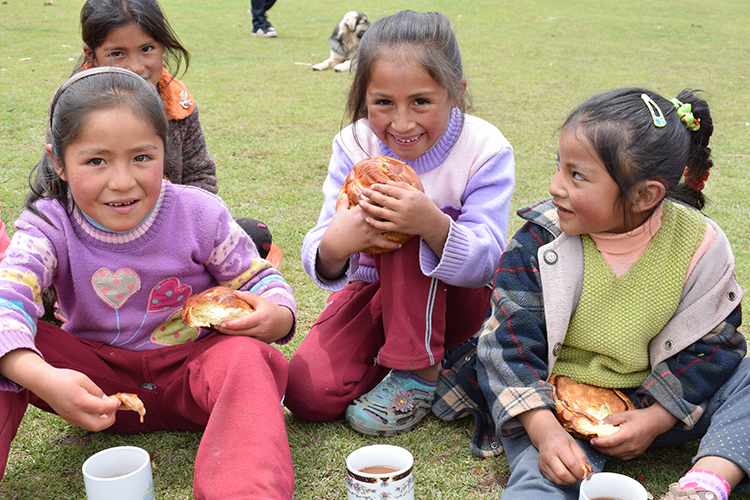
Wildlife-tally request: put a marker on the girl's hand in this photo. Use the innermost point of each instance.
(269, 321)
(561, 460)
(347, 233)
(71, 394)
(78, 400)
(638, 429)
(399, 207)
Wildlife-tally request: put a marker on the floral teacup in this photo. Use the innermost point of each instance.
(380, 472)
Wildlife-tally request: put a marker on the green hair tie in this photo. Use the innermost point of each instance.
(685, 112)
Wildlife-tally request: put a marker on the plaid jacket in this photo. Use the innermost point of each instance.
(502, 372)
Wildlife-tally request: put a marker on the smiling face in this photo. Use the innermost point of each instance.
(587, 198)
(114, 168)
(407, 109)
(130, 47)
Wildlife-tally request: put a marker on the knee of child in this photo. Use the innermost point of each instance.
(311, 402)
(234, 353)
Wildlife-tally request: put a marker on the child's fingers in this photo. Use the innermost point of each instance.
(243, 324)
(388, 196)
(248, 297)
(393, 188)
(343, 202)
(559, 473)
(573, 465)
(110, 405)
(615, 418)
(376, 212)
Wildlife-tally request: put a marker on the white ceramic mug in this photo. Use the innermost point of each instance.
(612, 485)
(397, 482)
(120, 473)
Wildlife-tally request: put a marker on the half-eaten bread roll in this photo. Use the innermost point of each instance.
(210, 308)
(582, 407)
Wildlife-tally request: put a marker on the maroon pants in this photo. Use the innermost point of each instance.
(228, 387)
(403, 321)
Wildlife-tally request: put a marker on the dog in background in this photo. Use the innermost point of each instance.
(344, 42)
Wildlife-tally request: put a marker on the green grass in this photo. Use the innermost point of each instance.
(269, 122)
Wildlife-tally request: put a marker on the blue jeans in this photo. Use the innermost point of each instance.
(258, 10)
(722, 429)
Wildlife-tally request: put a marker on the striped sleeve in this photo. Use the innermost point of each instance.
(29, 264)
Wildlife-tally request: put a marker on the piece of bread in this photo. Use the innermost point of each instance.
(588, 471)
(379, 170)
(582, 407)
(210, 308)
(130, 402)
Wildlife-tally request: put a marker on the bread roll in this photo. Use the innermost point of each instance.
(581, 407)
(210, 308)
(379, 170)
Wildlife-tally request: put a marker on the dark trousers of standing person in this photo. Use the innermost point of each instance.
(258, 9)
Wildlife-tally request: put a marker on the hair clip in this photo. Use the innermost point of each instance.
(685, 112)
(655, 110)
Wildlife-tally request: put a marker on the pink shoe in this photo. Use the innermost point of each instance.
(676, 493)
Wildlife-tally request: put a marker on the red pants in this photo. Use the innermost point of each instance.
(403, 321)
(228, 387)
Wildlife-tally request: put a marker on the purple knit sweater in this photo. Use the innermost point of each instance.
(469, 174)
(127, 290)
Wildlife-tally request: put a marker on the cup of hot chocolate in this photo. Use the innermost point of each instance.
(380, 471)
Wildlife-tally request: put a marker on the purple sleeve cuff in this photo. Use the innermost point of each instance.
(292, 306)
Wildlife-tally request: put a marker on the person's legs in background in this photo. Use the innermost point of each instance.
(261, 26)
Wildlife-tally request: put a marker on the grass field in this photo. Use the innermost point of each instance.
(269, 121)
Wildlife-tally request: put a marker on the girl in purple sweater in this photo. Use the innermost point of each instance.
(375, 352)
(128, 249)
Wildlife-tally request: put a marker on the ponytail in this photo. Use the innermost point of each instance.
(699, 161)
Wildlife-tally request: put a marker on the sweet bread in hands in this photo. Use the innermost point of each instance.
(210, 308)
(379, 170)
(582, 407)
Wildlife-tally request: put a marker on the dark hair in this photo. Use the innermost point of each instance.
(82, 94)
(619, 126)
(425, 38)
(99, 17)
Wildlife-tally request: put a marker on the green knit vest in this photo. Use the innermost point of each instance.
(608, 336)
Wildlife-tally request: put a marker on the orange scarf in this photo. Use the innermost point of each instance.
(178, 103)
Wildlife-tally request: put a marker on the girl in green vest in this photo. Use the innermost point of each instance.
(617, 281)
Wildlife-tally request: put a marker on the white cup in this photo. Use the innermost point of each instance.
(373, 484)
(120, 473)
(612, 485)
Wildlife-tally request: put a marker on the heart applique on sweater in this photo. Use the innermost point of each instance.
(115, 288)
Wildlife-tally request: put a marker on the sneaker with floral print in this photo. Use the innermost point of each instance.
(398, 403)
